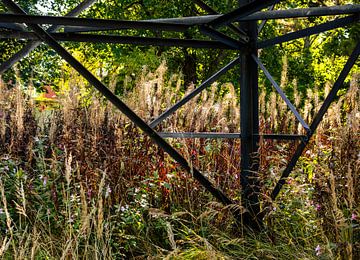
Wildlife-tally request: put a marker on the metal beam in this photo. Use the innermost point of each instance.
(317, 119)
(92, 22)
(208, 31)
(207, 135)
(288, 137)
(122, 107)
(13, 26)
(78, 29)
(241, 33)
(249, 128)
(33, 45)
(281, 93)
(341, 22)
(305, 12)
(117, 39)
(212, 135)
(269, 15)
(193, 93)
(241, 12)
(205, 19)
(263, 22)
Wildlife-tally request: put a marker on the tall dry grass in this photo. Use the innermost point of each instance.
(82, 181)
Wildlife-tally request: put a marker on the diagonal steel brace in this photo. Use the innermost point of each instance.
(281, 93)
(46, 37)
(212, 33)
(243, 37)
(317, 119)
(263, 23)
(337, 23)
(242, 11)
(193, 93)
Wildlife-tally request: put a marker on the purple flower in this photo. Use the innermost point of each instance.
(318, 250)
(89, 194)
(108, 191)
(45, 180)
(353, 216)
(317, 207)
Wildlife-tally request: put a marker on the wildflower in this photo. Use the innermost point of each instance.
(317, 207)
(108, 191)
(318, 250)
(353, 216)
(1, 211)
(89, 194)
(123, 209)
(44, 181)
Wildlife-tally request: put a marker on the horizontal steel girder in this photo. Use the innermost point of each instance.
(269, 15)
(212, 135)
(117, 39)
(176, 24)
(91, 22)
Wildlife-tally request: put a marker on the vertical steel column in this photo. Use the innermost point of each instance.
(249, 124)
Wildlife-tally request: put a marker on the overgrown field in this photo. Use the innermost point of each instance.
(79, 181)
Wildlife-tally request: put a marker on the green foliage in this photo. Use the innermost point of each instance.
(314, 60)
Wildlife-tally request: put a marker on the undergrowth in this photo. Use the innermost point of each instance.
(81, 181)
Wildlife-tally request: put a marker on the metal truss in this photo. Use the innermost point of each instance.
(246, 45)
